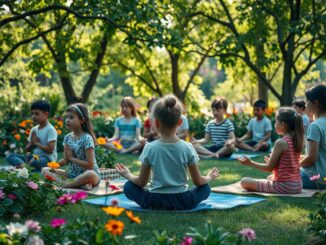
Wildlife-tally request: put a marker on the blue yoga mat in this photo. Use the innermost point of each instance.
(214, 201)
(235, 156)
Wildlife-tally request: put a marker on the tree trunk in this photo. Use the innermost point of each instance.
(175, 76)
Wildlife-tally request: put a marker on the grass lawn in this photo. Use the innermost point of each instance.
(278, 220)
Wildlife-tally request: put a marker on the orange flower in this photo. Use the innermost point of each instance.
(117, 144)
(97, 113)
(59, 132)
(115, 211)
(28, 131)
(115, 227)
(101, 140)
(132, 217)
(22, 124)
(60, 123)
(49, 177)
(53, 165)
(4, 142)
(17, 136)
(56, 127)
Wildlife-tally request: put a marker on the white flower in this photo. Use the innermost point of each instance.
(22, 172)
(12, 146)
(35, 240)
(21, 131)
(17, 228)
(7, 152)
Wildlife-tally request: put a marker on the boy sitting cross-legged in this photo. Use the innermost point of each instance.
(220, 131)
(259, 131)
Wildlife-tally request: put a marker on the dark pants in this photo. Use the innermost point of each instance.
(15, 160)
(178, 201)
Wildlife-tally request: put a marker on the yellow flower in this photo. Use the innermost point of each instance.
(324, 179)
(36, 157)
(132, 217)
(117, 144)
(101, 141)
(53, 165)
(115, 211)
(115, 227)
(17, 136)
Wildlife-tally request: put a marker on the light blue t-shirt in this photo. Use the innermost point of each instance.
(169, 163)
(184, 125)
(317, 133)
(306, 121)
(127, 130)
(259, 128)
(46, 135)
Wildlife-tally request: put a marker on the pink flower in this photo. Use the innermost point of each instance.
(32, 185)
(248, 234)
(315, 177)
(2, 194)
(12, 196)
(114, 202)
(57, 222)
(64, 199)
(79, 196)
(33, 225)
(187, 240)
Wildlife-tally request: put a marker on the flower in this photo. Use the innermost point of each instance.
(117, 144)
(115, 211)
(57, 222)
(59, 131)
(36, 157)
(324, 179)
(2, 194)
(16, 216)
(53, 165)
(114, 202)
(33, 225)
(79, 196)
(132, 217)
(101, 141)
(64, 199)
(22, 131)
(115, 227)
(187, 240)
(71, 198)
(35, 240)
(315, 177)
(248, 234)
(28, 131)
(12, 146)
(22, 172)
(114, 187)
(16, 228)
(12, 196)
(17, 136)
(49, 178)
(32, 185)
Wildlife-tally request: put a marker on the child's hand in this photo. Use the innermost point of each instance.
(244, 160)
(68, 153)
(228, 143)
(122, 170)
(266, 159)
(213, 173)
(34, 138)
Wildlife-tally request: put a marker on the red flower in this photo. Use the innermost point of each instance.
(49, 178)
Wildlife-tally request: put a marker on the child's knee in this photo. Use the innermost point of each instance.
(45, 171)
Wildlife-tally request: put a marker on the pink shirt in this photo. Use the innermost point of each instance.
(288, 168)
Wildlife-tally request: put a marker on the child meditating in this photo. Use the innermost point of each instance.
(126, 129)
(83, 171)
(168, 158)
(284, 159)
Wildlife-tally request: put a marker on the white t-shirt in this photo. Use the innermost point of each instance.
(46, 134)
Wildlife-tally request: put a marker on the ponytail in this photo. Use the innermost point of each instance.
(298, 133)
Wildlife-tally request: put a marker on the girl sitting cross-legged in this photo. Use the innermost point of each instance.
(83, 171)
(284, 159)
(168, 158)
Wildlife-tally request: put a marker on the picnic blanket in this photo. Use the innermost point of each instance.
(114, 187)
(236, 188)
(214, 201)
(234, 156)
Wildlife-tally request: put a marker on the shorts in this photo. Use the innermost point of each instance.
(216, 148)
(269, 186)
(262, 148)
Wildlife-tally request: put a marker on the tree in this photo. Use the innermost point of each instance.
(295, 38)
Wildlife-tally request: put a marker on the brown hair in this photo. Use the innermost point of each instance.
(167, 111)
(317, 93)
(82, 112)
(294, 125)
(129, 102)
(219, 103)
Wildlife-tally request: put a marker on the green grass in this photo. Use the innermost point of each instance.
(278, 220)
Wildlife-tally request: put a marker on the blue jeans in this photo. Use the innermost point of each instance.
(15, 160)
(178, 201)
(308, 184)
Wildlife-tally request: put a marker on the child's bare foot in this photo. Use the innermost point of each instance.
(217, 156)
(86, 187)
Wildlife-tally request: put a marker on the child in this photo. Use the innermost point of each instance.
(126, 129)
(300, 106)
(314, 162)
(220, 131)
(83, 171)
(168, 158)
(284, 159)
(149, 133)
(42, 140)
(259, 131)
(183, 129)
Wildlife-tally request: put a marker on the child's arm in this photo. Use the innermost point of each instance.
(87, 164)
(35, 141)
(310, 159)
(138, 135)
(246, 136)
(115, 135)
(140, 180)
(203, 140)
(149, 133)
(231, 139)
(267, 136)
(270, 163)
(198, 179)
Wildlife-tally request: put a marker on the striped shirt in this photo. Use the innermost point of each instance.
(219, 132)
(288, 168)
